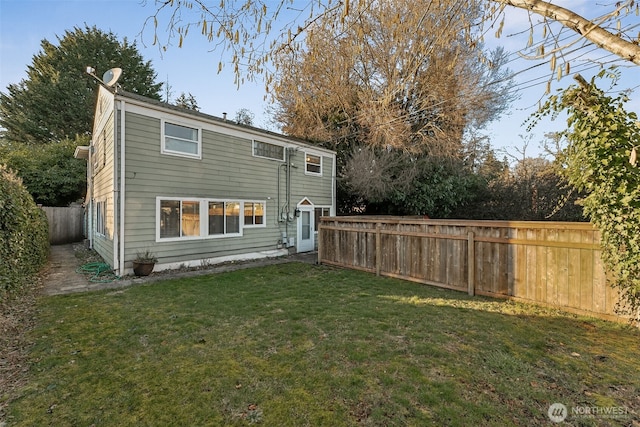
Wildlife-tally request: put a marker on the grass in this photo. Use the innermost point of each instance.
(297, 345)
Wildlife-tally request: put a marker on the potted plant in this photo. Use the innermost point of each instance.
(144, 263)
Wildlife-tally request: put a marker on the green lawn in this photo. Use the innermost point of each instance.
(297, 344)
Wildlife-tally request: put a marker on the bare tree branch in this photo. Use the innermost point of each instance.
(586, 28)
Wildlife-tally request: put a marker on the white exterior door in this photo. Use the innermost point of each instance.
(306, 233)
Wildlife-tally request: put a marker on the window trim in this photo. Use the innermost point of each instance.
(321, 208)
(99, 148)
(179, 199)
(306, 163)
(101, 218)
(206, 230)
(163, 140)
(264, 214)
(204, 218)
(253, 150)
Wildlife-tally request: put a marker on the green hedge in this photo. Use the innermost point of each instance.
(24, 234)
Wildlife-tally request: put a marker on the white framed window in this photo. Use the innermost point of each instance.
(99, 151)
(101, 218)
(178, 218)
(254, 213)
(224, 218)
(268, 150)
(195, 218)
(320, 211)
(312, 164)
(180, 140)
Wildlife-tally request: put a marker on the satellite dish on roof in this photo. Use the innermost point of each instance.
(110, 77)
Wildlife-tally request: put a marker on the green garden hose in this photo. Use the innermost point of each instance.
(99, 272)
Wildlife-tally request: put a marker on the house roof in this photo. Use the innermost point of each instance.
(119, 93)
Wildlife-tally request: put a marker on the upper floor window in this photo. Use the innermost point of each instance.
(99, 151)
(181, 140)
(270, 151)
(313, 164)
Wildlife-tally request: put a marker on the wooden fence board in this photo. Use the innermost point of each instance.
(574, 264)
(555, 264)
(66, 224)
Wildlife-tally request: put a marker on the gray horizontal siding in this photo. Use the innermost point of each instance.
(227, 170)
(103, 186)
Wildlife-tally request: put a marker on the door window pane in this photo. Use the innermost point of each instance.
(306, 225)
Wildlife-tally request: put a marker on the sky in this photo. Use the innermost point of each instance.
(193, 67)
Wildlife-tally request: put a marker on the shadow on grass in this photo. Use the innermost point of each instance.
(297, 344)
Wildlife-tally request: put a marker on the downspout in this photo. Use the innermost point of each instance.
(116, 198)
(90, 232)
(279, 213)
(286, 227)
(334, 180)
(122, 182)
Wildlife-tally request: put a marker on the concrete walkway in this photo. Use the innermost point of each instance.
(61, 276)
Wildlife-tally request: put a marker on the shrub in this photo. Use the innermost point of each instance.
(48, 171)
(24, 236)
(601, 161)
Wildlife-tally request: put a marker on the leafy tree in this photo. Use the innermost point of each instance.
(49, 171)
(440, 189)
(532, 190)
(601, 160)
(57, 99)
(187, 101)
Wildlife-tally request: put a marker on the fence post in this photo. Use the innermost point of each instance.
(471, 262)
(378, 250)
(320, 230)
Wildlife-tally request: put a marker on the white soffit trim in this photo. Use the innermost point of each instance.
(82, 152)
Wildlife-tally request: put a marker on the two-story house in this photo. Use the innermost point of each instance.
(197, 189)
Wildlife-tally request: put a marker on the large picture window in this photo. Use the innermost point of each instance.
(224, 218)
(179, 218)
(206, 218)
(181, 140)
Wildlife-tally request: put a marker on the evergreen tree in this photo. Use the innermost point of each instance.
(58, 98)
(187, 101)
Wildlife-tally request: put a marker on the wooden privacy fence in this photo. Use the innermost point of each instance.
(549, 263)
(66, 225)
